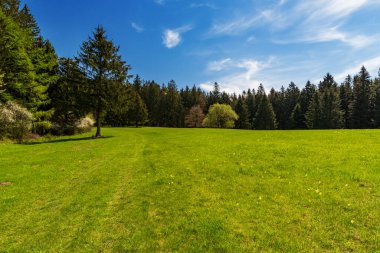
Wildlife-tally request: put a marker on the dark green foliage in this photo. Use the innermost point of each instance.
(265, 117)
(170, 106)
(151, 93)
(16, 64)
(324, 111)
(104, 68)
(242, 111)
(29, 63)
(331, 115)
(292, 95)
(277, 99)
(361, 104)
(251, 106)
(345, 93)
(313, 113)
(297, 118)
(137, 111)
(376, 113)
(69, 96)
(306, 97)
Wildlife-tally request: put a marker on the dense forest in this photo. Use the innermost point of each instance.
(60, 92)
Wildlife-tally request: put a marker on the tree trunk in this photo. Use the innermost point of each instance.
(98, 134)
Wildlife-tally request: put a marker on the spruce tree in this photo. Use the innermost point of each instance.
(104, 67)
(242, 111)
(68, 95)
(292, 95)
(297, 118)
(251, 106)
(306, 98)
(345, 93)
(265, 117)
(361, 104)
(313, 113)
(137, 111)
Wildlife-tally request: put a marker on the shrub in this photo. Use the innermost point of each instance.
(195, 117)
(84, 125)
(220, 116)
(15, 121)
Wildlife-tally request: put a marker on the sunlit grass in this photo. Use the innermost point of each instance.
(196, 190)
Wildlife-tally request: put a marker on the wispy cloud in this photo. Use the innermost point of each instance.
(219, 65)
(203, 5)
(137, 27)
(173, 37)
(305, 21)
(159, 2)
(244, 74)
(372, 65)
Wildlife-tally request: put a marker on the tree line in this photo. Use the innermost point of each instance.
(60, 92)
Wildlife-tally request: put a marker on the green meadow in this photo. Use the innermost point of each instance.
(192, 190)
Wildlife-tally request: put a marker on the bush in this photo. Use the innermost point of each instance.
(15, 121)
(195, 117)
(84, 125)
(220, 116)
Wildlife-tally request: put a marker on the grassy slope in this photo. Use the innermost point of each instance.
(193, 190)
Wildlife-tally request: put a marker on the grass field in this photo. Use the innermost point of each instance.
(193, 190)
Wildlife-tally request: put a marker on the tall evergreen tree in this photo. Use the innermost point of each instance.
(104, 67)
(68, 95)
(242, 111)
(265, 117)
(137, 111)
(361, 104)
(306, 97)
(297, 118)
(313, 113)
(345, 93)
(251, 106)
(376, 113)
(331, 115)
(292, 95)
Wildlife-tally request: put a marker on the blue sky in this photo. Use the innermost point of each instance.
(238, 43)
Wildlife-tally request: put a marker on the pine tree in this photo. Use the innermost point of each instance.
(137, 84)
(251, 106)
(10, 8)
(265, 117)
(242, 111)
(376, 113)
(68, 95)
(306, 97)
(137, 111)
(297, 118)
(313, 113)
(292, 95)
(104, 67)
(345, 91)
(361, 105)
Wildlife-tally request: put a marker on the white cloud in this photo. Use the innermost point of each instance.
(137, 27)
(334, 34)
(172, 37)
(306, 21)
(160, 2)
(372, 65)
(203, 5)
(244, 76)
(218, 65)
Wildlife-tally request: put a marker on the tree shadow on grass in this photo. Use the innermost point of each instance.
(89, 138)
